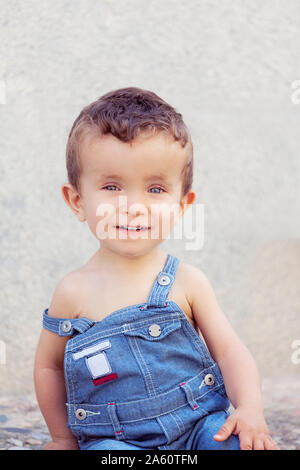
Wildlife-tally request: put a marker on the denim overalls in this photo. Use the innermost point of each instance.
(142, 378)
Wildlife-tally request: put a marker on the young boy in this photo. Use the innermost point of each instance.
(120, 363)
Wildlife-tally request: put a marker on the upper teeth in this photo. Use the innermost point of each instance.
(131, 228)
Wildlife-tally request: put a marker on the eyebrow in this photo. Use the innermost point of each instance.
(155, 177)
(147, 177)
(114, 177)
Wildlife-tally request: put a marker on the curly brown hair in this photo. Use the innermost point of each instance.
(125, 113)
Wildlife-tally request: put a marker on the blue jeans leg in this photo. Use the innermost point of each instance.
(110, 444)
(202, 435)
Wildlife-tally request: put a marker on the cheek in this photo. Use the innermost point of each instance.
(105, 217)
(166, 215)
(99, 214)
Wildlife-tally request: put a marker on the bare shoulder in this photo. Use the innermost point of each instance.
(65, 300)
(194, 280)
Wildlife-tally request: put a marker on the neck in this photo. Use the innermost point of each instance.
(130, 263)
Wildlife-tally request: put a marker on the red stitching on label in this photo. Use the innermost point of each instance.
(118, 432)
(194, 407)
(183, 383)
(104, 379)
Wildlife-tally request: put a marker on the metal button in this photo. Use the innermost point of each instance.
(163, 280)
(154, 330)
(66, 326)
(209, 379)
(80, 414)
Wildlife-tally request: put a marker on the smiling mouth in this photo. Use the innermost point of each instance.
(132, 229)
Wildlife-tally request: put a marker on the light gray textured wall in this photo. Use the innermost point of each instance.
(229, 68)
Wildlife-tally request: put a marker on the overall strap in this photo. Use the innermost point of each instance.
(66, 326)
(163, 283)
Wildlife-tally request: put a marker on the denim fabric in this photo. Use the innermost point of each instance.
(201, 438)
(142, 377)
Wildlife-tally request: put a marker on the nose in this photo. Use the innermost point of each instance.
(133, 204)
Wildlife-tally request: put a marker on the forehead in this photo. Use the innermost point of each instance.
(159, 155)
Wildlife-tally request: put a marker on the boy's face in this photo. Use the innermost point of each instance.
(135, 184)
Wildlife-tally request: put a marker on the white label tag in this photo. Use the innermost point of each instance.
(98, 365)
(91, 350)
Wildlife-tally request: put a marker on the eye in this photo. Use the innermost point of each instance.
(157, 188)
(109, 186)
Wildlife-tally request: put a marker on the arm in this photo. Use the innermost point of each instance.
(50, 390)
(238, 368)
(49, 372)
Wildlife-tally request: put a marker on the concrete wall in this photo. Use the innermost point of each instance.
(229, 68)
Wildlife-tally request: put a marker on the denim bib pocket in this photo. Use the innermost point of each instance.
(154, 331)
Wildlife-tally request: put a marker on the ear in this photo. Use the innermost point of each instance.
(73, 199)
(187, 201)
